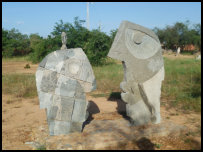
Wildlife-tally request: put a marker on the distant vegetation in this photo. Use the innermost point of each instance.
(179, 35)
(95, 43)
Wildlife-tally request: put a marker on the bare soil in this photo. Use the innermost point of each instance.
(21, 116)
(18, 67)
(180, 56)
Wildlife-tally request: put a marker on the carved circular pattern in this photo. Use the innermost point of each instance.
(74, 68)
(141, 45)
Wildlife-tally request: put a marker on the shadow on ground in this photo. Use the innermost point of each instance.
(121, 105)
(145, 144)
(92, 109)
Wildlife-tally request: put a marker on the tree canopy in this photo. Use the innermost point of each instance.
(179, 35)
(94, 43)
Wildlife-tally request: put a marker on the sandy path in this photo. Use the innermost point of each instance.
(21, 117)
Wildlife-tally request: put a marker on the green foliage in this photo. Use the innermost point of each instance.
(180, 35)
(14, 43)
(182, 84)
(157, 145)
(41, 147)
(38, 52)
(113, 34)
(27, 66)
(95, 43)
(97, 47)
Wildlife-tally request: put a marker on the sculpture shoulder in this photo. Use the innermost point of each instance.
(61, 55)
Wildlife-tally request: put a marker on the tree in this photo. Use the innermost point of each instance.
(94, 43)
(14, 43)
(179, 35)
(97, 47)
(113, 34)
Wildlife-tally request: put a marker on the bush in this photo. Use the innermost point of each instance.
(27, 66)
(14, 43)
(95, 43)
(97, 47)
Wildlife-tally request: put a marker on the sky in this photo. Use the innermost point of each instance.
(41, 17)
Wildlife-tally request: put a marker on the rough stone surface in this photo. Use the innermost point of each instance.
(140, 51)
(62, 79)
(64, 41)
(104, 134)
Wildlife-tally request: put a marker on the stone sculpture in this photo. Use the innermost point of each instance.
(64, 41)
(178, 51)
(62, 79)
(139, 50)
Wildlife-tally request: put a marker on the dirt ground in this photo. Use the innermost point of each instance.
(21, 116)
(180, 56)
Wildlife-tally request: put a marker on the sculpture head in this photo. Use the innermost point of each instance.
(138, 46)
(64, 40)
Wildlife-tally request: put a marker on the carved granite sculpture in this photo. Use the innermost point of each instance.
(139, 50)
(64, 41)
(62, 79)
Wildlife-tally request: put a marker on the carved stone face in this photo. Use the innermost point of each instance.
(139, 48)
(60, 70)
(64, 39)
(62, 79)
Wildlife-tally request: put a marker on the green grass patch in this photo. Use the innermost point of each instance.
(157, 145)
(108, 77)
(181, 87)
(100, 95)
(182, 84)
(15, 59)
(41, 147)
(188, 52)
(19, 85)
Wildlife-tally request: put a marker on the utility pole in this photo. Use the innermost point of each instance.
(88, 25)
(88, 16)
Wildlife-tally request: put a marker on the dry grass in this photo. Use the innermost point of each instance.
(19, 85)
(182, 84)
(181, 87)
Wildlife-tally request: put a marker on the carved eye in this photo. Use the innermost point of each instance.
(140, 45)
(137, 39)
